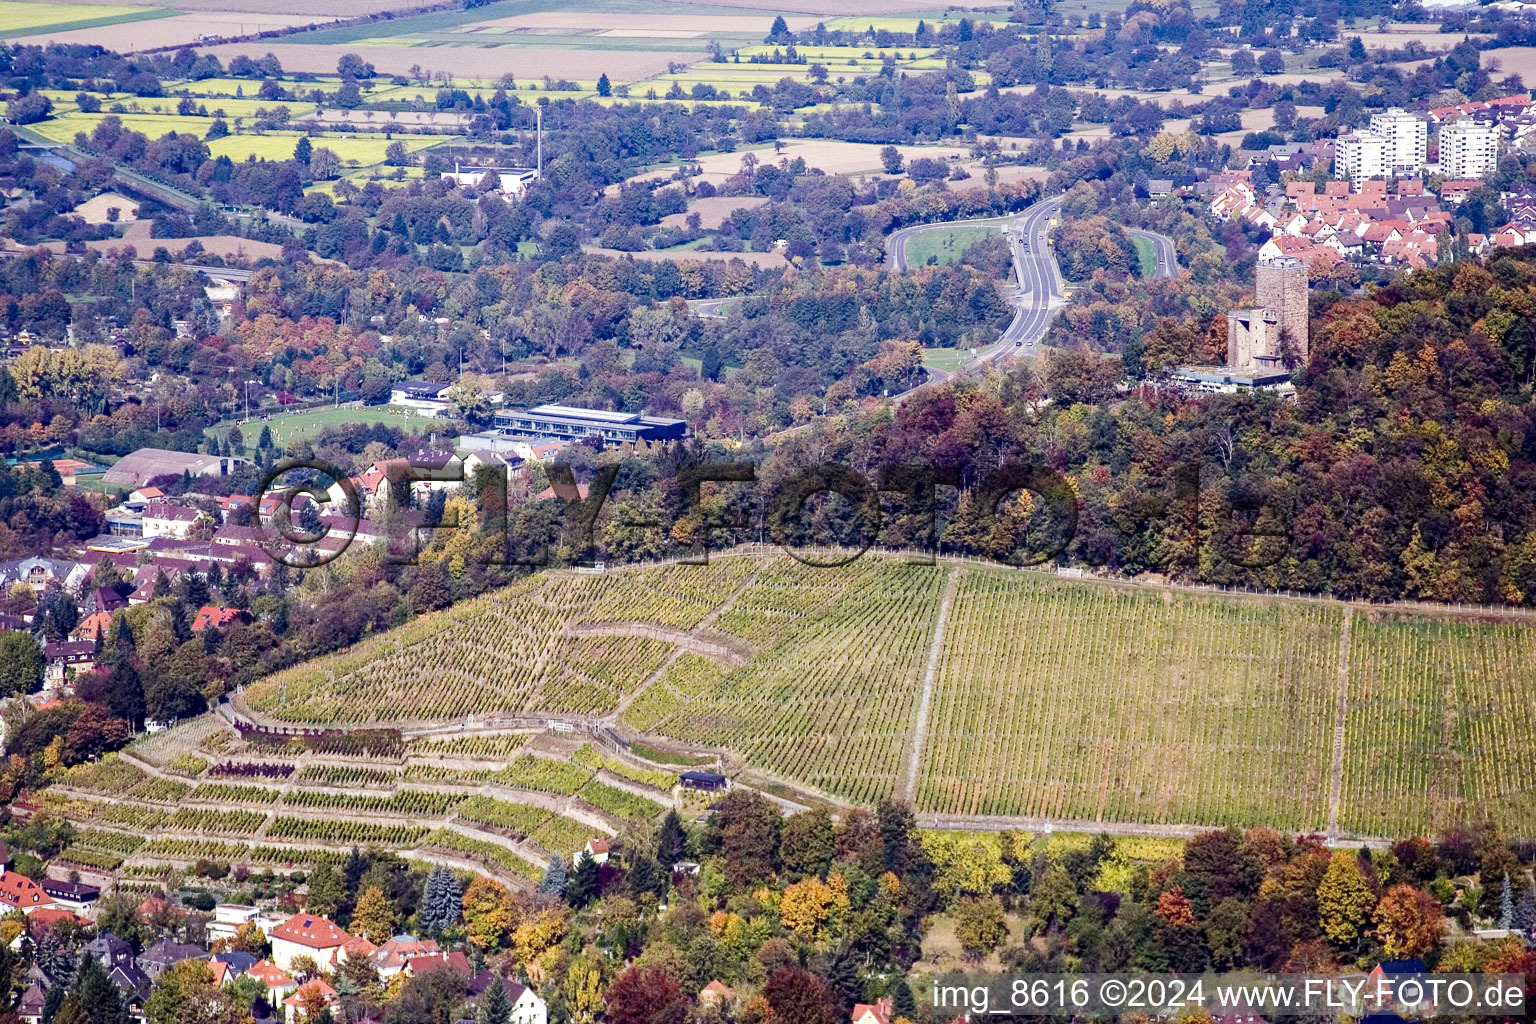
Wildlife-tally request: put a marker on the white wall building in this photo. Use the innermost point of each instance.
(1468, 150)
(1359, 157)
(165, 520)
(1407, 138)
(527, 1007)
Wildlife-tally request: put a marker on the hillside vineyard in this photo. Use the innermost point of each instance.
(981, 692)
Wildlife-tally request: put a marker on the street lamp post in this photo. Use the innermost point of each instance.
(248, 398)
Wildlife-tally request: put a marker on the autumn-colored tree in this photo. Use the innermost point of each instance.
(1344, 899)
(1174, 907)
(488, 913)
(583, 989)
(539, 933)
(1408, 922)
(979, 925)
(640, 993)
(796, 994)
(375, 915)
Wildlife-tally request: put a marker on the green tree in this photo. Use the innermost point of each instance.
(442, 901)
(326, 890)
(21, 663)
(604, 87)
(583, 886)
(1054, 897)
(495, 1007)
(302, 150)
(671, 840)
(807, 844)
(186, 994)
(979, 925)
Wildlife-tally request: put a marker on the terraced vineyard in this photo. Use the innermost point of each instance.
(1049, 697)
(504, 652)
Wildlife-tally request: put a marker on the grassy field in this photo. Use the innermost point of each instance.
(23, 19)
(1051, 698)
(950, 360)
(358, 150)
(1146, 252)
(307, 424)
(946, 245)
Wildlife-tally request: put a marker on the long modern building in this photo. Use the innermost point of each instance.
(569, 423)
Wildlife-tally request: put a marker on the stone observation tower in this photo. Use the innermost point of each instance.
(1273, 335)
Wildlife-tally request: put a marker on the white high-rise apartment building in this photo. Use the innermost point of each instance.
(1407, 138)
(1360, 156)
(1468, 150)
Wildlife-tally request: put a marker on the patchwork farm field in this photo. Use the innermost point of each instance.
(1047, 699)
(19, 19)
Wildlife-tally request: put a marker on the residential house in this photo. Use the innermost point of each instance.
(235, 964)
(311, 993)
(879, 1012)
(596, 848)
(39, 573)
(141, 496)
(18, 892)
(390, 958)
(131, 981)
(158, 958)
(421, 963)
(228, 918)
(67, 657)
(75, 897)
(717, 994)
(311, 935)
(162, 519)
(110, 950)
(94, 625)
(527, 1007)
(30, 1009)
(212, 616)
(276, 981)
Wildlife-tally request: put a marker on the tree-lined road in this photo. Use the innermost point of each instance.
(1040, 288)
(1167, 255)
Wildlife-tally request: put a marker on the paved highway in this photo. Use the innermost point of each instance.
(1167, 255)
(1041, 290)
(227, 273)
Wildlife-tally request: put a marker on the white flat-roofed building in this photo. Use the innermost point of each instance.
(1360, 156)
(1469, 149)
(1407, 138)
(570, 423)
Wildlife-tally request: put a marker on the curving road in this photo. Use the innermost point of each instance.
(1167, 255)
(1040, 288)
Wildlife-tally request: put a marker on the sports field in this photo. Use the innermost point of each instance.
(300, 425)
